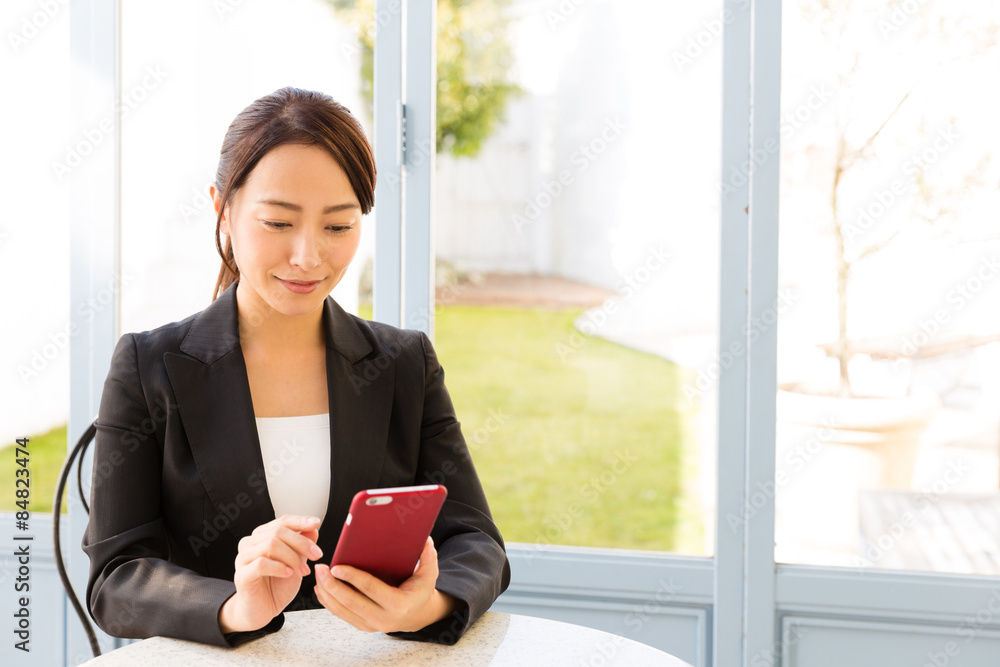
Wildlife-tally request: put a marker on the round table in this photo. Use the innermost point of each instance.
(317, 637)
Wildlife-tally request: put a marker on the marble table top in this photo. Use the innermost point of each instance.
(315, 637)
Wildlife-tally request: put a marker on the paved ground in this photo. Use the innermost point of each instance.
(522, 291)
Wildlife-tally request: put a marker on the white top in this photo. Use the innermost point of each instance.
(296, 453)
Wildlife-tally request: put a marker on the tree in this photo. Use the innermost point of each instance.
(856, 138)
(473, 63)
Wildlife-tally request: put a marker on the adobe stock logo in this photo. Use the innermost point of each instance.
(582, 158)
(31, 26)
(94, 136)
(881, 201)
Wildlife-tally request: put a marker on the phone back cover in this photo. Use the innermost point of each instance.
(386, 540)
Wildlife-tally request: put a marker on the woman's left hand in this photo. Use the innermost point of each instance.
(378, 607)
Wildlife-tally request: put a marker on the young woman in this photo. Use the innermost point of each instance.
(229, 444)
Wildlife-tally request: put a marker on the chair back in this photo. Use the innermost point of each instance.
(77, 454)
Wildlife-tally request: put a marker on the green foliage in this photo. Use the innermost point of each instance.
(48, 451)
(473, 63)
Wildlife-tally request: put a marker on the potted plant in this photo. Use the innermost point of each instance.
(874, 416)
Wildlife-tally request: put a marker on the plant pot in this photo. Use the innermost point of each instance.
(890, 427)
(828, 450)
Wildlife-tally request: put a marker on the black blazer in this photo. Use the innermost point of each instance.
(178, 476)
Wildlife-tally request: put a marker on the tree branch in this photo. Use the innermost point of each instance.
(853, 157)
(874, 248)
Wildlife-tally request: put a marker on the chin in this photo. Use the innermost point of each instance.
(300, 304)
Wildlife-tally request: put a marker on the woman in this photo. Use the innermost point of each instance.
(229, 444)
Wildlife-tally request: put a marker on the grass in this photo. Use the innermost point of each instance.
(47, 453)
(577, 440)
(589, 447)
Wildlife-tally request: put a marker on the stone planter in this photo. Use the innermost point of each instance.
(890, 427)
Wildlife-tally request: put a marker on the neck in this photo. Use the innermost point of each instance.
(264, 329)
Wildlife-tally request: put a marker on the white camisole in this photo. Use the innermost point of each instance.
(296, 454)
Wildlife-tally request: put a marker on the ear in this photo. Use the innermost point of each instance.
(217, 204)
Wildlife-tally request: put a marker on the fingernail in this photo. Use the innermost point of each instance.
(320, 572)
(337, 572)
(315, 552)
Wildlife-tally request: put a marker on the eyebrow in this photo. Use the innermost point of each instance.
(298, 209)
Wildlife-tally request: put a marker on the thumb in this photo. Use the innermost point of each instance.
(427, 567)
(298, 522)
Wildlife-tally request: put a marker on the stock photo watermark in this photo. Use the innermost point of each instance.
(898, 17)
(791, 121)
(585, 155)
(22, 544)
(555, 524)
(758, 325)
(927, 499)
(380, 19)
(58, 341)
(970, 628)
(93, 137)
(766, 492)
(592, 321)
(199, 202)
(223, 8)
(882, 200)
(33, 24)
(703, 40)
(562, 12)
(958, 297)
(770, 656)
(636, 620)
(228, 512)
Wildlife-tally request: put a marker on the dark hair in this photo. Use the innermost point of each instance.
(289, 116)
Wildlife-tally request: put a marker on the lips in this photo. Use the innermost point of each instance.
(299, 287)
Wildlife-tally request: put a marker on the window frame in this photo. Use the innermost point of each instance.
(742, 602)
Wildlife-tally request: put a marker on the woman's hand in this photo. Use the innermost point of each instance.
(270, 565)
(374, 606)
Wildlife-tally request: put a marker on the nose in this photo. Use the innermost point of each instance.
(305, 251)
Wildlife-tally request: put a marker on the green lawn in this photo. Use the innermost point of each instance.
(48, 451)
(589, 451)
(577, 440)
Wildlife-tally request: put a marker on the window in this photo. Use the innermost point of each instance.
(577, 270)
(180, 102)
(888, 419)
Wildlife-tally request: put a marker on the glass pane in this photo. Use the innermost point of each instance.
(889, 342)
(577, 248)
(34, 246)
(178, 101)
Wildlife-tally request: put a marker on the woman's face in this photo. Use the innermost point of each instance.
(295, 226)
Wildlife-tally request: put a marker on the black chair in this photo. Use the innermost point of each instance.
(77, 453)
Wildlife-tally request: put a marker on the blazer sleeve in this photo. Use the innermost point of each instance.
(472, 561)
(133, 590)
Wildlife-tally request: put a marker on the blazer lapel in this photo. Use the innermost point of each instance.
(212, 390)
(360, 382)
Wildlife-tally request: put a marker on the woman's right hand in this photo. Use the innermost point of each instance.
(270, 565)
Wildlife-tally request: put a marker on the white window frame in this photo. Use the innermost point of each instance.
(743, 604)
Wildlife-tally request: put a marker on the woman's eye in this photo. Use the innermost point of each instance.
(336, 229)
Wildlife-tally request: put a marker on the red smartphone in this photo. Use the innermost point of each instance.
(386, 529)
